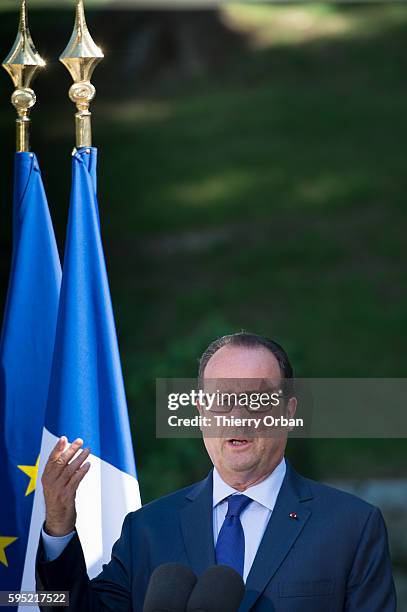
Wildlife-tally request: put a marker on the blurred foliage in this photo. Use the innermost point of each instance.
(267, 195)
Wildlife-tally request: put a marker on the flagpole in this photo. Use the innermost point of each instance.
(81, 57)
(22, 64)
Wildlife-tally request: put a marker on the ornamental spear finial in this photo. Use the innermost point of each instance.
(81, 57)
(22, 64)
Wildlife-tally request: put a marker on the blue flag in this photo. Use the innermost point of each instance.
(26, 348)
(87, 397)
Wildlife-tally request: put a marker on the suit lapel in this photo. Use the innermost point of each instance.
(197, 526)
(280, 535)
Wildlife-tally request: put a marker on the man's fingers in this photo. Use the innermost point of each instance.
(70, 452)
(58, 449)
(77, 477)
(59, 457)
(49, 470)
(73, 466)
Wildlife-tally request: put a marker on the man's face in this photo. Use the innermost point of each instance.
(250, 460)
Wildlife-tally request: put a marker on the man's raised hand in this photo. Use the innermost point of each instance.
(60, 481)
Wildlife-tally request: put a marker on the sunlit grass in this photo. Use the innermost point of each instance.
(209, 192)
(133, 112)
(269, 25)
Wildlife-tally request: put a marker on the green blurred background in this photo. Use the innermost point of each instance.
(252, 176)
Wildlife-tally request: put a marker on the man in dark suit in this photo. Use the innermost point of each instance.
(300, 546)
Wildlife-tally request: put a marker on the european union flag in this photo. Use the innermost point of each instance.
(26, 349)
(87, 397)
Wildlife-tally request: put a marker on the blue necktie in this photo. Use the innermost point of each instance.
(230, 543)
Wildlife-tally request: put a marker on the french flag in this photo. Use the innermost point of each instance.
(86, 395)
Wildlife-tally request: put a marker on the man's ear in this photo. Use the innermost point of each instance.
(201, 410)
(292, 407)
(291, 410)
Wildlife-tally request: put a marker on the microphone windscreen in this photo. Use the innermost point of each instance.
(219, 589)
(169, 588)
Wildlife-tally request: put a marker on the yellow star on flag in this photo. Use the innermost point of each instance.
(32, 472)
(4, 542)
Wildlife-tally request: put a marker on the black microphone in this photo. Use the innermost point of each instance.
(219, 589)
(169, 588)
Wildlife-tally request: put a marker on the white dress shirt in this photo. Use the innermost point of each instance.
(254, 517)
(55, 545)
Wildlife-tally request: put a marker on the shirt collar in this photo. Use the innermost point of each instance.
(264, 493)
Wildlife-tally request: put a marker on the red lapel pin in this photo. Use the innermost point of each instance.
(293, 515)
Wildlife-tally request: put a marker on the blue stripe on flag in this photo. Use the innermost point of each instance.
(87, 397)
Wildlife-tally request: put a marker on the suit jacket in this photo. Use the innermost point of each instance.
(332, 556)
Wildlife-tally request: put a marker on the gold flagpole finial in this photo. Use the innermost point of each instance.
(81, 57)
(22, 63)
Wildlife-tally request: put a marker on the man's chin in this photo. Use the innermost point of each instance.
(239, 458)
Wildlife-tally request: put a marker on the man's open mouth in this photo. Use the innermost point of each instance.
(236, 442)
